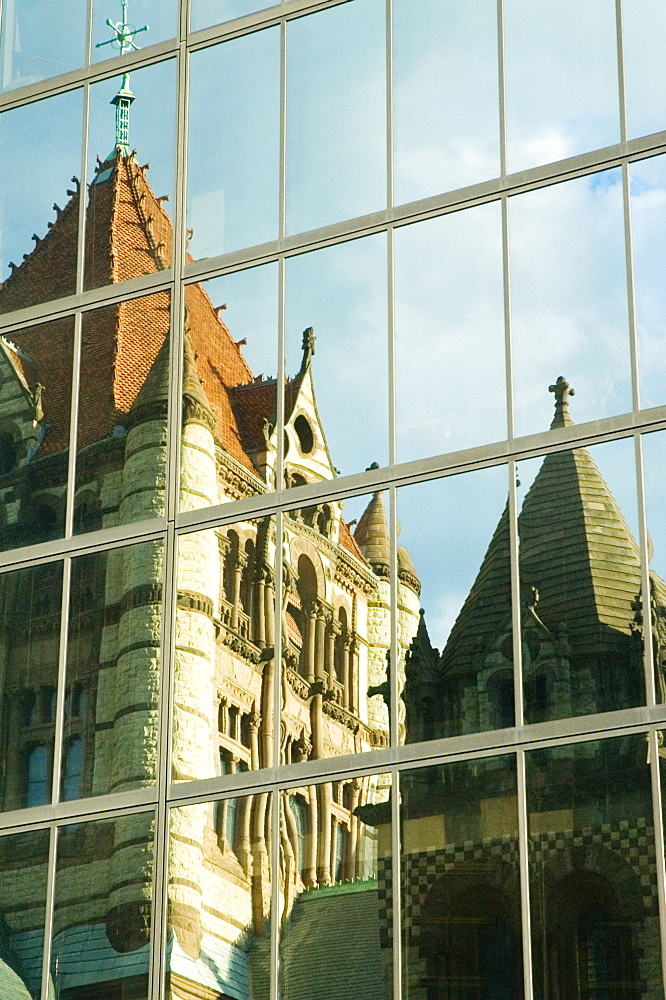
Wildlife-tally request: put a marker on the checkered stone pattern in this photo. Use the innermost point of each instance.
(421, 871)
(633, 842)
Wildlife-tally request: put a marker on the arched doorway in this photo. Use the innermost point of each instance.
(591, 952)
(470, 939)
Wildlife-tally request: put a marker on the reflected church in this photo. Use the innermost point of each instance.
(595, 933)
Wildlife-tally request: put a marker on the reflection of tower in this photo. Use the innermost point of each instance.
(580, 582)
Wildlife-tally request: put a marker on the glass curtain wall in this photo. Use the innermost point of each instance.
(332, 422)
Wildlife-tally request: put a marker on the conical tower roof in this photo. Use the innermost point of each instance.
(372, 535)
(577, 554)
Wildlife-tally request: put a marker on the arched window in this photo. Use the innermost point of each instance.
(7, 454)
(324, 519)
(341, 838)
(299, 811)
(230, 564)
(538, 697)
(37, 791)
(500, 700)
(306, 586)
(73, 769)
(339, 650)
(46, 522)
(87, 514)
(247, 577)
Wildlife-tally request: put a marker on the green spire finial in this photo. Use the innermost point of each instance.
(123, 39)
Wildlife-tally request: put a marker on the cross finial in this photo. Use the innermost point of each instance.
(562, 391)
(123, 39)
(123, 33)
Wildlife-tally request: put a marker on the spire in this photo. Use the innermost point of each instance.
(562, 391)
(123, 39)
(308, 349)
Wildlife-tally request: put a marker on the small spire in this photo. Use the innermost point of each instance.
(308, 349)
(562, 391)
(123, 39)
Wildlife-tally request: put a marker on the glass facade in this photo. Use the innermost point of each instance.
(332, 449)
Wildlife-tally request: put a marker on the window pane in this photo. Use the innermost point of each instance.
(446, 105)
(648, 218)
(337, 845)
(461, 925)
(48, 134)
(341, 387)
(561, 79)
(233, 151)
(580, 582)
(454, 564)
(130, 172)
(644, 30)
(33, 45)
(23, 878)
(449, 321)
(30, 602)
(595, 917)
(569, 298)
(35, 401)
(219, 899)
(207, 12)
(336, 111)
(122, 414)
(225, 650)
(113, 667)
(102, 909)
(229, 435)
(336, 629)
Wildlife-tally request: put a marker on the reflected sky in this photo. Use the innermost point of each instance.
(336, 110)
(569, 299)
(341, 292)
(446, 525)
(33, 44)
(251, 313)
(48, 133)
(644, 29)
(450, 389)
(561, 79)
(447, 51)
(232, 197)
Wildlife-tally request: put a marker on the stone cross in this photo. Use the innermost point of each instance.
(562, 390)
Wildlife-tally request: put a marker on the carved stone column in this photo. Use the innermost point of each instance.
(333, 629)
